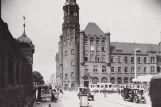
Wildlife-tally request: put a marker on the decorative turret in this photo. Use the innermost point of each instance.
(26, 45)
(108, 56)
(70, 2)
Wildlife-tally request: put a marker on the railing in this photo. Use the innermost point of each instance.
(31, 102)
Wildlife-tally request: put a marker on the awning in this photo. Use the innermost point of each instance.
(143, 78)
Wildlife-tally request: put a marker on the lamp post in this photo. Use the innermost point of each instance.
(135, 62)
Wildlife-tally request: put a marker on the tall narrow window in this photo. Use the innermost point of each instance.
(145, 60)
(66, 53)
(72, 62)
(95, 69)
(139, 69)
(125, 59)
(103, 41)
(132, 60)
(92, 41)
(119, 70)
(103, 49)
(86, 41)
(152, 59)
(126, 70)
(72, 74)
(152, 69)
(92, 48)
(145, 70)
(119, 59)
(92, 58)
(66, 76)
(138, 60)
(97, 42)
(103, 69)
(132, 70)
(112, 70)
(72, 52)
(112, 59)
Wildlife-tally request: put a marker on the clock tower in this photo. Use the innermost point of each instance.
(70, 45)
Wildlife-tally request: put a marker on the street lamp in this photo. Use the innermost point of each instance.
(135, 62)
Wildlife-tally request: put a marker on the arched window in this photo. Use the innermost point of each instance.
(113, 80)
(66, 86)
(125, 80)
(72, 62)
(104, 80)
(95, 80)
(66, 76)
(119, 80)
(72, 74)
(131, 79)
(72, 86)
(72, 52)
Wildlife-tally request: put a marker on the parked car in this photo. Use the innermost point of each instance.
(86, 91)
(133, 95)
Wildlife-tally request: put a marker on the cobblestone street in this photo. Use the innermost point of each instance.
(70, 99)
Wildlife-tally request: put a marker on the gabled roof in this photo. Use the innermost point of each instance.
(130, 47)
(93, 29)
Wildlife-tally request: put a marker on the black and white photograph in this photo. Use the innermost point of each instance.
(80, 53)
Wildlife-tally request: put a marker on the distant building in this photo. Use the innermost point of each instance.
(53, 79)
(89, 56)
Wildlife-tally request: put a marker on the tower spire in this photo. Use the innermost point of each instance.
(24, 24)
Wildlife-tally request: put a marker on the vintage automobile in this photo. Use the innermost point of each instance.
(133, 95)
(86, 91)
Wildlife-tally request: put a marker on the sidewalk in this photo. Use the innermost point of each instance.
(68, 100)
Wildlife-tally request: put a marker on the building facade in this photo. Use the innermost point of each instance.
(15, 71)
(89, 56)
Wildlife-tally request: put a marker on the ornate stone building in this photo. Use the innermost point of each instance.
(89, 56)
(15, 70)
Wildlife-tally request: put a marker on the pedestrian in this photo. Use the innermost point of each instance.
(49, 105)
(61, 94)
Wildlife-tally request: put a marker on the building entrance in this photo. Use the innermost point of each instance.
(86, 83)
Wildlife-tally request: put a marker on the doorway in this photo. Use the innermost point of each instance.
(86, 83)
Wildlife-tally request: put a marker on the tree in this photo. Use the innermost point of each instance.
(37, 77)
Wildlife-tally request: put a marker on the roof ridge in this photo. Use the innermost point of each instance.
(134, 43)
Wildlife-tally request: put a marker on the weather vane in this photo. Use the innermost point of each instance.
(24, 23)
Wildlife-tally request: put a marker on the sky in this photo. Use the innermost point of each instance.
(136, 21)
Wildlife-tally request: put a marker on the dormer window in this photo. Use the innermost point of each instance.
(118, 50)
(138, 51)
(151, 51)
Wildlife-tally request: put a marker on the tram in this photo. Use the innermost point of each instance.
(99, 87)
